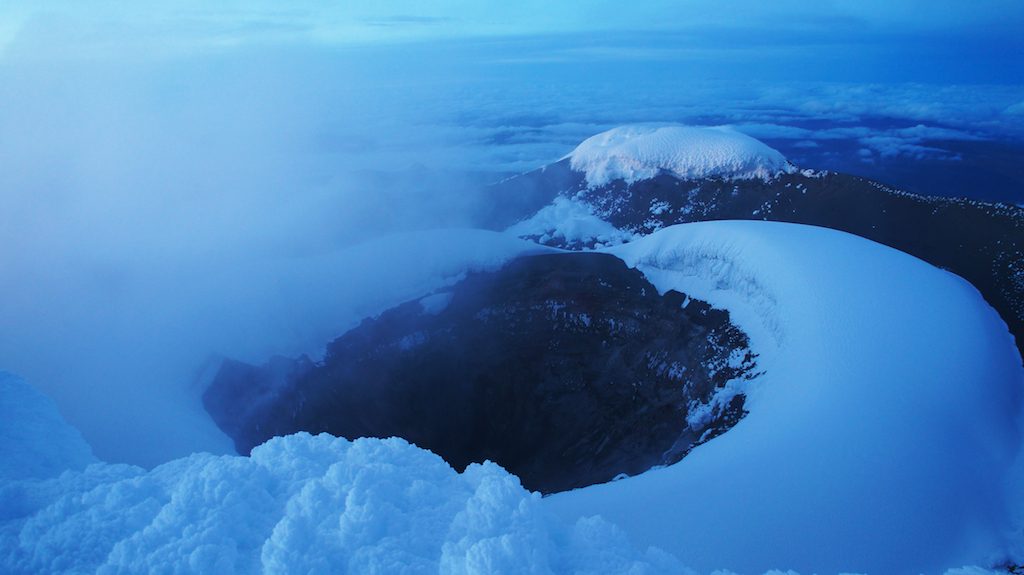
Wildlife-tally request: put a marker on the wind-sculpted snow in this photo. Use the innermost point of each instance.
(642, 151)
(883, 436)
(299, 504)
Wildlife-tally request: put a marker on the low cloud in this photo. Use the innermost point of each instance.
(911, 142)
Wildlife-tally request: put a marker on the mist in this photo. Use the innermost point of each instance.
(159, 213)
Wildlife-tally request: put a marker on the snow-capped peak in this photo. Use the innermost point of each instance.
(641, 151)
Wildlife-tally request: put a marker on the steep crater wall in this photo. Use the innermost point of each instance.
(566, 369)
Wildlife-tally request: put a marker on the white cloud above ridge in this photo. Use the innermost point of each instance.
(887, 142)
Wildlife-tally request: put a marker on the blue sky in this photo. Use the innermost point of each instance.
(362, 22)
(975, 41)
(942, 42)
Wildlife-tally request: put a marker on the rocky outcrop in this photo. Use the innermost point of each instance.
(566, 369)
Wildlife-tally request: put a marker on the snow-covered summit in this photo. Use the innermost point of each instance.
(641, 151)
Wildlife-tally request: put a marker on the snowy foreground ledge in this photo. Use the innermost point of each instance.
(883, 438)
(299, 504)
(642, 151)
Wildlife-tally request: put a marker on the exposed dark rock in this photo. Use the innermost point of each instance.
(567, 369)
(246, 395)
(979, 241)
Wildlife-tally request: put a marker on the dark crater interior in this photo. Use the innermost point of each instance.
(567, 369)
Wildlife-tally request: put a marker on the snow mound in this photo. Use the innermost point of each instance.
(642, 151)
(35, 442)
(299, 504)
(883, 436)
